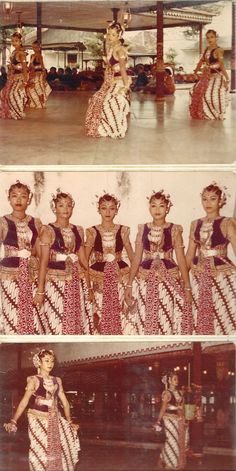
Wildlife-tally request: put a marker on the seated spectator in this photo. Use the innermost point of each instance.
(141, 80)
(52, 74)
(169, 83)
(3, 77)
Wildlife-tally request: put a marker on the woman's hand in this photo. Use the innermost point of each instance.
(38, 299)
(189, 296)
(90, 295)
(128, 296)
(226, 85)
(74, 426)
(10, 427)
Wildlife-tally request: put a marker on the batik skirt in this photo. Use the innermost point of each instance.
(173, 454)
(208, 97)
(214, 306)
(13, 99)
(54, 445)
(109, 310)
(38, 91)
(18, 313)
(107, 114)
(66, 308)
(162, 307)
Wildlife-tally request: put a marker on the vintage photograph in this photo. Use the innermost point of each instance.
(117, 82)
(124, 254)
(121, 406)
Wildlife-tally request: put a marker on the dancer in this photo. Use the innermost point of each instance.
(13, 96)
(63, 282)
(173, 454)
(163, 305)
(19, 234)
(213, 274)
(109, 108)
(209, 94)
(54, 443)
(38, 89)
(105, 246)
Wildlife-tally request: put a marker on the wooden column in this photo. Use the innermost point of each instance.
(39, 21)
(197, 424)
(4, 48)
(115, 12)
(160, 61)
(233, 49)
(200, 40)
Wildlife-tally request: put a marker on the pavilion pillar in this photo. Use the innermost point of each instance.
(4, 48)
(197, 423)
(200, 40)
(115, 12)
(160, 60)
(233, 49)
(39, 21)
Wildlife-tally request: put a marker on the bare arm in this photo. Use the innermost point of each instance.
(165, 400)
(43, 264)
(231, 234)
(179, 252)
(220, 57)
(134, 269)
(66, 406)
(22, 406)
(22, 58)
(127, 243)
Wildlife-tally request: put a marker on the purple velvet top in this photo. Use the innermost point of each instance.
(217, 239)
(59, 246)
(42, 393)
(166, 247)
(12, 241)
(99, 266)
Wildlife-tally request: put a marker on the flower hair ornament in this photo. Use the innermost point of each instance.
(106, 197)
(36, 358)
(115, 25)
(19, 184)
(161, 195)
(218, 189)
(56, 197)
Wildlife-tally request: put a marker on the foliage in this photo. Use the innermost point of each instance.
(94, 44)
(171, 55)
(216, 8)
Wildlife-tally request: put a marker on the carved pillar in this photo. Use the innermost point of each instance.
(160, 60)
(197, 424)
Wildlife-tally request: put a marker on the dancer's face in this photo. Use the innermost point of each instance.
(64, 208)
(158, 209)
(112, 35)
(211, 39)
(174, 381)
(107, 211)
(211, 202)
(19, 199)
(47, 364)
(16, 42)
(36, 47)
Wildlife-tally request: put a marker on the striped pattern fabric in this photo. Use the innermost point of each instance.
(55, 318)
(38, 91)
(13, 100)
(209, 98)
(167, 318)
(10, 308)
(63, 452)
(107, 114)
(173, 454)
(221, 306)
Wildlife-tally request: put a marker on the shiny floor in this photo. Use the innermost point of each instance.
(119, 458)
(159, 133)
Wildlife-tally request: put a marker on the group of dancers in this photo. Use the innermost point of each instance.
(109, 108)
(55, 281)
(54, 442)
(26, 85)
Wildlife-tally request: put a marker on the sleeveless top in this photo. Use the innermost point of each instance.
(108, 247)
(62, 246)
(46, 393)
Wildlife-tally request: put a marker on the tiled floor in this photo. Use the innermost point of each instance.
(159, 133)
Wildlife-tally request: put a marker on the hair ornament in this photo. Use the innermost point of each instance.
(107, 197)
(218, 189)
(56, 197)
(160, 194)
(19, 185)
(36, 358)
(164, 380)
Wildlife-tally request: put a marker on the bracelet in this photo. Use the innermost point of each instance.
(90, 289)
(187, 289)
(129, 286)
(40, 293)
